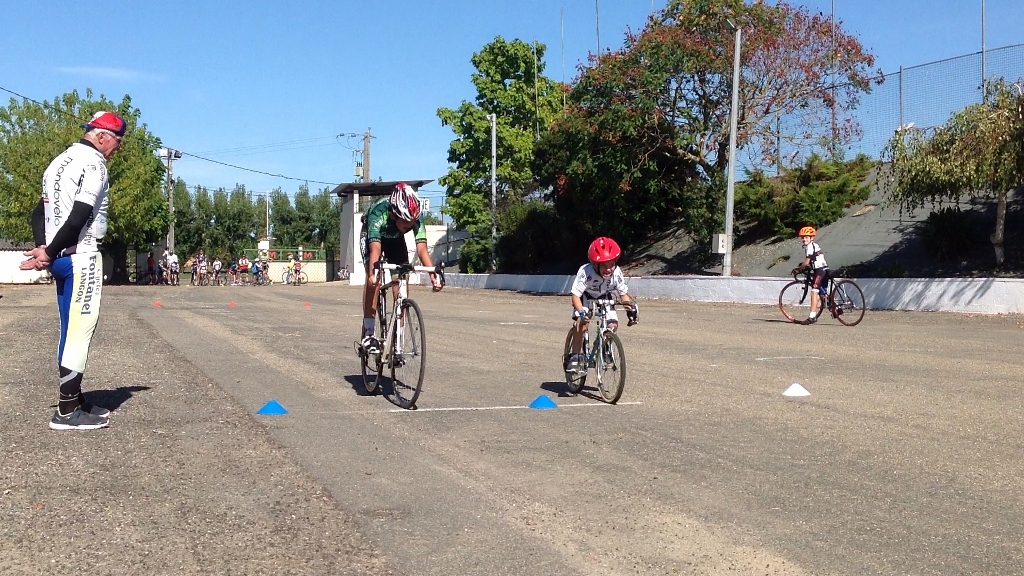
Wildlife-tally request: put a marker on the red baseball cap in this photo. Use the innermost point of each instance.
(106, 121)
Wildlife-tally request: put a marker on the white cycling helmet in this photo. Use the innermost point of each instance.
(405, 203)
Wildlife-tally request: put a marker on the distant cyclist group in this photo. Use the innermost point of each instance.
(240, 272)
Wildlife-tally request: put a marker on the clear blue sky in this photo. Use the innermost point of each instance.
(268, 85)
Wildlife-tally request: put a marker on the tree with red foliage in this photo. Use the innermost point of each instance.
(646, 134)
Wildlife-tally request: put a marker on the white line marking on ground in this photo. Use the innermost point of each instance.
(514, 323)
(471, 408)
(791, 358)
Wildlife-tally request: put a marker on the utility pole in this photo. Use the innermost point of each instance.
(731, 179)
(366, 155)
(170, 155)
(494, 186)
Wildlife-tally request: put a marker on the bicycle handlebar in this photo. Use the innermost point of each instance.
(403, 269)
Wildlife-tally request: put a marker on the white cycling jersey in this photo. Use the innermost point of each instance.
(589, 283)
(77, 175)
(817, 257)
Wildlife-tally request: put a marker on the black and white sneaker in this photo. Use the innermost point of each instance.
(77, 420)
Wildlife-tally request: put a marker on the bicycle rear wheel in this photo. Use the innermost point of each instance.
(795, 301)
(847, 302)
(611, 368)
(408, 356)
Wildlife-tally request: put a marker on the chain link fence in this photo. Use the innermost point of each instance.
(926, 96)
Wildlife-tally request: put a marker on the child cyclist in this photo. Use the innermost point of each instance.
(815, 259)
(385, 224)
(600, 278)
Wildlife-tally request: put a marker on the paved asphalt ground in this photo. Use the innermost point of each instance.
(905, 458)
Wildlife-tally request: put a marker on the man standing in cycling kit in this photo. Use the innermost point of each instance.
(815, 258)
(384, 226)
(67, 224)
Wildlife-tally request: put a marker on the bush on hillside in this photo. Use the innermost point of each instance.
(817, 193)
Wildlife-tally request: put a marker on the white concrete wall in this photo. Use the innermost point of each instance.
(975, 295)
(11, 274)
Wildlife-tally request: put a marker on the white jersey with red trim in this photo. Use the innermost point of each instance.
(79, 174)
(590, 283)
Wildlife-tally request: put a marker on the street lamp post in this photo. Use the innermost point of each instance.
(494, 186)
(730, 187)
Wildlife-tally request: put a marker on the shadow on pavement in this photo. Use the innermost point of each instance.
(560, 388)
(356, 381)
(113, 399)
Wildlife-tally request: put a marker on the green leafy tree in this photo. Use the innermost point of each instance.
(510, 84)
(32, 134)
(282, 220)
(326, 221)
(204, 222)
(979, 152)
(305, 217)
(186, 241)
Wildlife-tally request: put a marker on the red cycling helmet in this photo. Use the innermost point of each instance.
(604, 250)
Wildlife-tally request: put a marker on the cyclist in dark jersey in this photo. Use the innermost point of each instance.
(385, 224)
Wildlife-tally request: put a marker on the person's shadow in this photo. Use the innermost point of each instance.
(559, 388)
(112, 399)
(356, 381)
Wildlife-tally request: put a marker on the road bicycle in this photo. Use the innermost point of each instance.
(403, 341)
(260, 278)
(606, 355)
(843, 297)
(296, 278)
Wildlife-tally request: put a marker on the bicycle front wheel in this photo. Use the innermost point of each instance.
(303, 278)
(847, 302)
(611, 368)
(408, 356)
(574, 378)
(795, 301)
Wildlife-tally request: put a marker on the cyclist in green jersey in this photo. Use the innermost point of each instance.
(384, 226)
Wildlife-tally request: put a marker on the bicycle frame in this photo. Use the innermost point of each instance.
(598, 311)
(393, 333)
(809, 285)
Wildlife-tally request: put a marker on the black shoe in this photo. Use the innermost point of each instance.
(77, 420)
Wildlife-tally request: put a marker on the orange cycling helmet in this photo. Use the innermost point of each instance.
(807, 231)
(603, 250)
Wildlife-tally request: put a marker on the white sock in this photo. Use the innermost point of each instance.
(368, 325)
